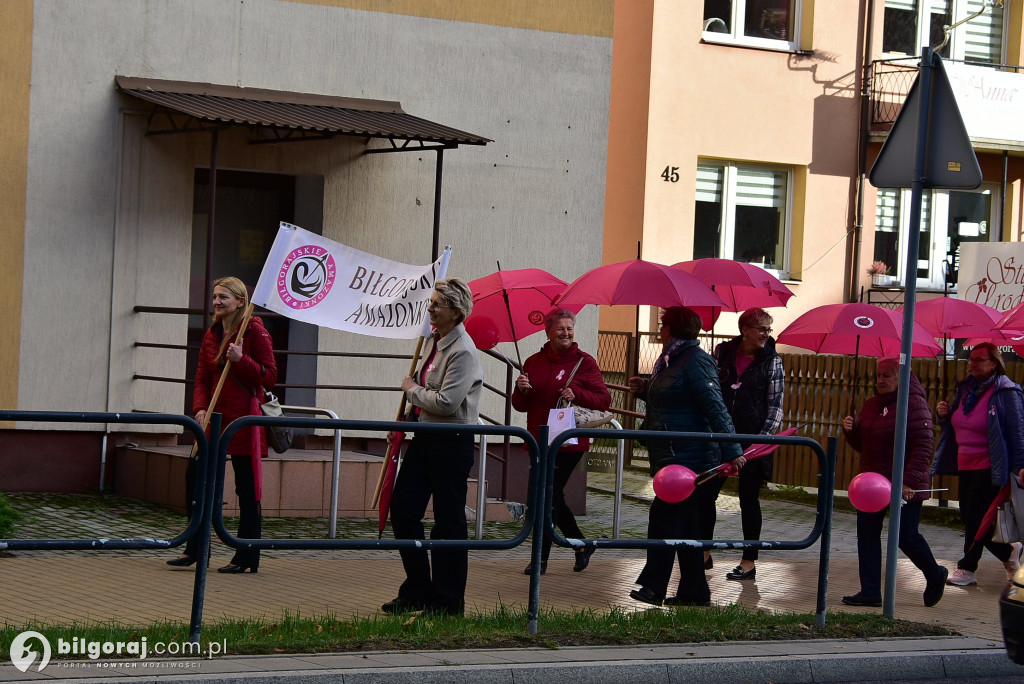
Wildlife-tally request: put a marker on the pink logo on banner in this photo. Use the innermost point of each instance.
(306, 277)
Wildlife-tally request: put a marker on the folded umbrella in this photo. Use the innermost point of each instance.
(752, 452)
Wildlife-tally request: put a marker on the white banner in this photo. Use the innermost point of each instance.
(992, 273)
(991, 102)
(315, 280)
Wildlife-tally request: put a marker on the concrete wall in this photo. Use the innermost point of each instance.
(108, 211)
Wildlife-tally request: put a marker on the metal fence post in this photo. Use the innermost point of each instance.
(206, 475)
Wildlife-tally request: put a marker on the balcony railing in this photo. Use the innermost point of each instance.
(891, 80)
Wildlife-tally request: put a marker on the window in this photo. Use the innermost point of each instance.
(909, 25)
(948, 218)
(742, 213)
(772, 24)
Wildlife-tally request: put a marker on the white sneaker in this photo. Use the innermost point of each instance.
(962, 578)
(1013, 565)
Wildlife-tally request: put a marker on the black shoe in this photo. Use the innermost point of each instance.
(683, 601)
(183, 561)
(401, 605)
(543, 568)
(933, 590)
(709, 563)
(583, 559)
(646, 596)
(738, 573)
(861, 599)
(232, 569)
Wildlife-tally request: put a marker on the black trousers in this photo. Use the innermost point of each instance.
(912, 543)
(434, 466)
(751, 479)
(565, 464)
(976, 494)
(676, 521)
(250, 512)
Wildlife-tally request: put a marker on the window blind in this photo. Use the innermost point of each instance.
(983, 35)
(709, 183)
(755, 188)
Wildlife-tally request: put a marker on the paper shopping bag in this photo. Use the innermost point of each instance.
(560, 420)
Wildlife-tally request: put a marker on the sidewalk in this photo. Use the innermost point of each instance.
(64, 587)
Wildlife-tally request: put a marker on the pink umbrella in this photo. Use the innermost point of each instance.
(949, 317)
(741, 285)
(515, 301)
(855, 328)
(638, 282)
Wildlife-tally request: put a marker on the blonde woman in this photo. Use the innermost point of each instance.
(252, 369)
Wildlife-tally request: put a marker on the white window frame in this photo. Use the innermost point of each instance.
(736, 37)
(727, 241)
(938, 223)
(959, 39)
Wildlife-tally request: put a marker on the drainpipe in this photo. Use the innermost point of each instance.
(119, 151)
(210, 220)
(862, 152)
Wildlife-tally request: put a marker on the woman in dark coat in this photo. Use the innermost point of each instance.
(538, 389)
(682, 395)
(873, 435)
(252, 369)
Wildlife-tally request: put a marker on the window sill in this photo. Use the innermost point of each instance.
(711, 38)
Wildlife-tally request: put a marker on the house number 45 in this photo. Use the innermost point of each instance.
(670, 174)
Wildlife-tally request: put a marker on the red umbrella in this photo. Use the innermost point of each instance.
(638, 282)
(387, 483)
(949, 317)
(855, 328)
(515, 301)
(741, 285)
(989, 518)
(753, 451)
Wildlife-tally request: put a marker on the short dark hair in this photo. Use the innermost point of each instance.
(683, 323)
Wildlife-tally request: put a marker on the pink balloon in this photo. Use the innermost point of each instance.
(673, 483)
(483, 330)
(870, 492)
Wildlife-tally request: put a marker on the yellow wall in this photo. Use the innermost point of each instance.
(584, 17)
(15, 72)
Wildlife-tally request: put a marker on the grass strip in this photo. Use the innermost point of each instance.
(502, 628)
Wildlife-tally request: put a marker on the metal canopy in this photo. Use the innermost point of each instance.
(280, 116)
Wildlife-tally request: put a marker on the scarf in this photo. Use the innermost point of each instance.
(976, 388)
(667, 352)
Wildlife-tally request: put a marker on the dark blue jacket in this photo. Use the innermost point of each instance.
(1005, 432)
(685, 397)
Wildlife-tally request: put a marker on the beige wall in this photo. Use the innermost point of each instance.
(727, 102)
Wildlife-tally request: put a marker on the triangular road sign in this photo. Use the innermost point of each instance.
(950, 161)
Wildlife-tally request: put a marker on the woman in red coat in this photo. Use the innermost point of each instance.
(252, 368)
(538, 389)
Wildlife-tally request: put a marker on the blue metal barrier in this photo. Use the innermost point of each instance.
(822, 523)
(200, 506)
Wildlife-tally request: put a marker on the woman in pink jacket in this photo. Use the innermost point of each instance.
(543, 382)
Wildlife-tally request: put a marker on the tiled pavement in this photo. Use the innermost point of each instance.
(137, 587)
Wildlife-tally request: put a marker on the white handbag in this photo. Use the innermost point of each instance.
(1009, 526)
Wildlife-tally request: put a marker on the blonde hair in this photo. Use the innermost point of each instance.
(457, 294)
(237, 288)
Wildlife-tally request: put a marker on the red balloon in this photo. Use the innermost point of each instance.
(483, 330)
(673, 483)
(870, 492)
